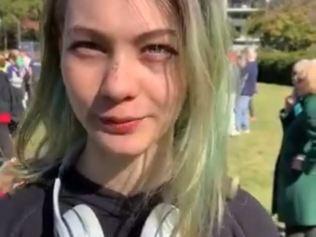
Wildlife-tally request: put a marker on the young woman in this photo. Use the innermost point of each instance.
(133, 99)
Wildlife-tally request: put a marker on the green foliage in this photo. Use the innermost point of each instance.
(276, 67)
(287, 28)
(11, 13)
(17, 9)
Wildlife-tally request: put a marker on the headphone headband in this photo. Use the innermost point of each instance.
(81, 221)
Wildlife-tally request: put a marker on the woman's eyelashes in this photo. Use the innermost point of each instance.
(158, 52)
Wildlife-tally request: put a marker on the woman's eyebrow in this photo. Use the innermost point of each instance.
(78, 29)
(154, 34)
(137, 39)
(86, 31)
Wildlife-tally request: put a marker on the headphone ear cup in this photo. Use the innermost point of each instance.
(61, 231)
(161, 221)
(74, 224)
(83, 222)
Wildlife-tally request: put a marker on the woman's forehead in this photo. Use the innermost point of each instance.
(129, 16)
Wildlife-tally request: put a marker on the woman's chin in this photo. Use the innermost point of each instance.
(129, 146)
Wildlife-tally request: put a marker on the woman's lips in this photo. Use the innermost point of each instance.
(120, 126)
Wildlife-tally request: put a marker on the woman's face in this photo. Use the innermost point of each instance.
(119, 67)
(300, 82)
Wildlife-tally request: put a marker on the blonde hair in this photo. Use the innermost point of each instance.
(310, 77)
(199, 146)
(299, 70)
(251, 53)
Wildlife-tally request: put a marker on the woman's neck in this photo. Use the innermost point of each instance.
(125, 175)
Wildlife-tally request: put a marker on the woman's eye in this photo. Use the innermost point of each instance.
(87, 48)
(159, 52)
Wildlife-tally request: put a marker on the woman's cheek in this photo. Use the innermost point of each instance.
(164, 92)
(81, 87)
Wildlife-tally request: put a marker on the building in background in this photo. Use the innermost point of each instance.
(238, 12)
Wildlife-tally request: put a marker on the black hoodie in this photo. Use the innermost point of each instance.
(29, 212)
(5, 94)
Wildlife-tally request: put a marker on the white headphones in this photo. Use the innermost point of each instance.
(81, 221)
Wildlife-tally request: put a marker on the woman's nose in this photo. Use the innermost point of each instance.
(120, 81)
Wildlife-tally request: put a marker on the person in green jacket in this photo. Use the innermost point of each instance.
(292, 108)
(296, 181)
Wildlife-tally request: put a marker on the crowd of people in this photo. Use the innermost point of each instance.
(15, 94)
(244, 87)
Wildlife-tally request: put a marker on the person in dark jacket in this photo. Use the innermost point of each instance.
(6, 104)
(16, 80)
(249, 88)
(131, 125)
(296, 193)
(292, 108)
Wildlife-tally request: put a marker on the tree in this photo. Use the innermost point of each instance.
(11, 13)
(288, 27)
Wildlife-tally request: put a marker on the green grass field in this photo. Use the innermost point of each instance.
(252, 156)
